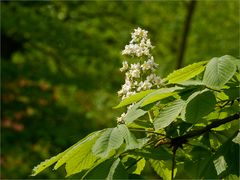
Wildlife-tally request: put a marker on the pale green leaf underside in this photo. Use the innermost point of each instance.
(220, 164)
(218, 72)
(130, 139)
(159, 94)
(134, 113)
(168, 114)
(186, 73)
(134, 98)
(237, 138)
(108, 141)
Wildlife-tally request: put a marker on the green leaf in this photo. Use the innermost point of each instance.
(153, 153)
(168, 114)
(111, 139)
(220, 164)
(80, 156)
(186, 73)
(218, 72)
(159, 94)
(117, 171)
(139, 166)
(201, 165)
(229, 151)
(198, 105)
(74, 162)
(163, 168)
(237, 138)
(133, 98)
(134, 113)
(130, 139)
(45, 164)
(109, 169)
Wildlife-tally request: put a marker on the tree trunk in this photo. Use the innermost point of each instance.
(186, 29)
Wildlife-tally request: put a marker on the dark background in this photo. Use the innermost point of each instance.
(60, 66)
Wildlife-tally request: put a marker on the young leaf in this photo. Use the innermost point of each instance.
(168, 114)
(218, 72)
(159, 94)
(186, 73)
(198, 105)
(111, 139)
(134, 98)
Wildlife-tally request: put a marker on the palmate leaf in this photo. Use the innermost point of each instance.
(198, 105)
(186, 73)
(111, 139)
(218, 72)
(134, 98)
(168, 114)
(77, 158)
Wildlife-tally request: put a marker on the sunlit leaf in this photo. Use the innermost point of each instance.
(218, 72)
(168, 114)
(159, 94)
(186, 73)
(111, 139)
(134, 98)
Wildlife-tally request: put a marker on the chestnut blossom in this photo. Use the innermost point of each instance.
(138, 77)
(140, 45)
(124, 66)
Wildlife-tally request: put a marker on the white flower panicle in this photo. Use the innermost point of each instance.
(139, 45)
(138, 76)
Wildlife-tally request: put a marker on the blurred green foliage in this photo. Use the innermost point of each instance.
(60, 60)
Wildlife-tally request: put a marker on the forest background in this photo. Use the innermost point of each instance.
(60, 65)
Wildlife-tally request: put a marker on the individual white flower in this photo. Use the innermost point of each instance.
(145, 85)
(135, 73)
(127, 86)
(130, 106)
(130, 93)
(120, 120)
(124, 66)
(149, 64)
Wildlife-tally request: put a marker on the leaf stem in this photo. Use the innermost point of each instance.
(147, 131)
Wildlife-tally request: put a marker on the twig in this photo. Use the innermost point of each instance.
(147, 131)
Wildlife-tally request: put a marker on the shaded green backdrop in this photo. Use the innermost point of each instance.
(60, 61)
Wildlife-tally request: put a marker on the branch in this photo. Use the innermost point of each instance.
(183, 139)
(187, 25)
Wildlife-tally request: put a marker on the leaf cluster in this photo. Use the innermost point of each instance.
(186, 129)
